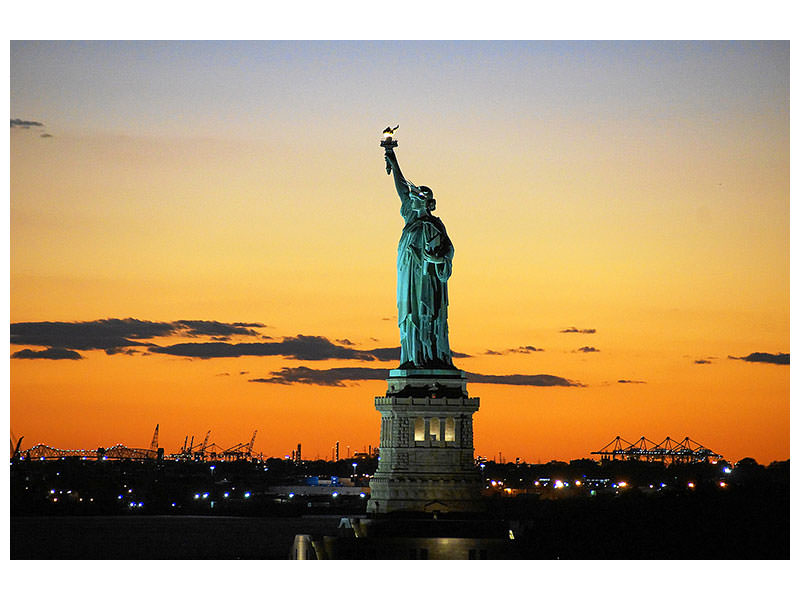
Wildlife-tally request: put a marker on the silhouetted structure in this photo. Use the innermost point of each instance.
(671, 451)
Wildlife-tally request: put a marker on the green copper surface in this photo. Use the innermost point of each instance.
(424, 264)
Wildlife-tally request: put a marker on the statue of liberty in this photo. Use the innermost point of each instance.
(424, 264)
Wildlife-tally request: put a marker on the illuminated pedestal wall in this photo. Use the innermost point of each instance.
(426, 452)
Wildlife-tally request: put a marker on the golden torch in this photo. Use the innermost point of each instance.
(388, 140)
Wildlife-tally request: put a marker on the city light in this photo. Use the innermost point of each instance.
(196, 496)
(225, 495)
(335, 494)
(690, 484)
(363, 495)
(291, 494)
(622, 484)
(727, 470)
(247, 494)
(578, 482)
(722, 484)
(205, 495)
(558, 483)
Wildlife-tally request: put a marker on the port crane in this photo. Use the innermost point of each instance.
(154, 443)
(241, 450)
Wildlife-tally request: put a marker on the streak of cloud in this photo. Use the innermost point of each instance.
(107, 334)
(517, 350)
(764, 357)
(301, 347)
(629, 381)
(326, 377)
(49, 353)
(23, 124)
(126, 351)
(576, 330)
(338, 376)
(587, 349)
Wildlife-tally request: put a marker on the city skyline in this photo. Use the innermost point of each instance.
(217, 218)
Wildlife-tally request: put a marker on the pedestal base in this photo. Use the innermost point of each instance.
(426, 454)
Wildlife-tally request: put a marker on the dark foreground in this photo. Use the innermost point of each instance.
(74, 509)
(746, 524)
(161, 537)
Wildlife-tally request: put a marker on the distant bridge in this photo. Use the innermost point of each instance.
(669, 450)
(117, 452)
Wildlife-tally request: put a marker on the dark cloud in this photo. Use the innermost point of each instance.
(223, 374)
(576, 330)
(587, 349)
(517, 350)
(49, 353)
(108, 334)
(764, 357)
(530, 380)
(345, 342)
(22, 124)
(46, 135)
(629, 381)
(386, 354)
(215, 328)
(702, 361)
(327, 377)
(126, 351)
(243, 372)
(338, 377)
(302, 347)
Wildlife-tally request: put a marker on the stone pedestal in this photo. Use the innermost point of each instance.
(426, 452)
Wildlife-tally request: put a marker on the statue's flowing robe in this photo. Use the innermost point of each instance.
(422, 290)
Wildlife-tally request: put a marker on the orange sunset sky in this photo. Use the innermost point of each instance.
(196, 226)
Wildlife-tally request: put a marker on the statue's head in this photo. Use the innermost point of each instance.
(427, 194)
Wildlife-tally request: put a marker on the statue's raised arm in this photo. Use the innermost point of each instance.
(393, 168)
